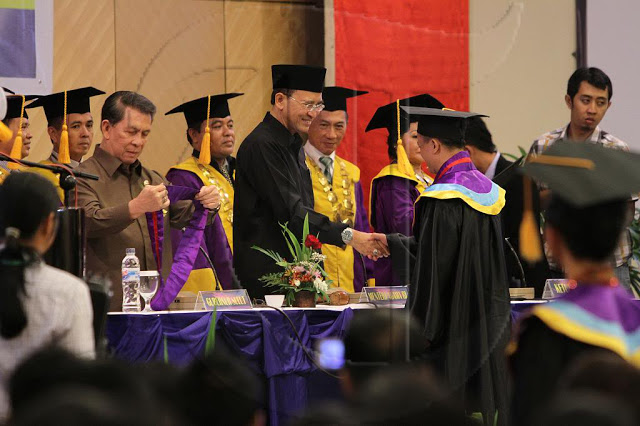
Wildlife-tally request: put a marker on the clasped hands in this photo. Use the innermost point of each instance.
(372, 245)
(156, 197)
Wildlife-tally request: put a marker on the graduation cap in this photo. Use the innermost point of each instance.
(335, 97)
(298, 77)
(441, 123)
(59, 105)
(195, 111)
(583, 175)
(386, 117)
(202, 109)
(586, 174)
(16, 109)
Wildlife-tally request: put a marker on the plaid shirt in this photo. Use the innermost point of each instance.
(623, 252)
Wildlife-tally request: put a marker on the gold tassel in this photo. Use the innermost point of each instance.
(5, 133)
(205, 148)
(530, 249)
(404, 165)
(16, 149)
(63, 150)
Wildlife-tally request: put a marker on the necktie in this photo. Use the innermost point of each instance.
(327, 162)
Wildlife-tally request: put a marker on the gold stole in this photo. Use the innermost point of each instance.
(203, 279)
(337, 201)
(54, 178)
(210, 176)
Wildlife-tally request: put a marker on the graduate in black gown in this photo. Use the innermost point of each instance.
(273, 184)
(589, 208)
(459, 290)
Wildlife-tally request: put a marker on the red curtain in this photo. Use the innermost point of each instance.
(396, 49)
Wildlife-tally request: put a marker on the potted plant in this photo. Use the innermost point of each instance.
(302, 279)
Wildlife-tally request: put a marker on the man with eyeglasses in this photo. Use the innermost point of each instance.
(273, 184)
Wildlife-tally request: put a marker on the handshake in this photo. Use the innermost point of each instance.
(372, 245)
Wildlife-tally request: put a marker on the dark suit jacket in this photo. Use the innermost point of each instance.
(512, 182)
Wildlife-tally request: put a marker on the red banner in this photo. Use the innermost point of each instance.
(396, 49)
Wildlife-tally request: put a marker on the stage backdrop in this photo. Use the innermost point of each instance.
(394, 50)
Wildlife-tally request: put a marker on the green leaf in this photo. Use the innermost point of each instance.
(165, 350)
(210, 343)
(305, 227)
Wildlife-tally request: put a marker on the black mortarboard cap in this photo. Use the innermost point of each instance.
(14, 104)
(386, 117)
(77, 102)
(441, 123)
(298, 77)
(335, 97)
(585, 174)
(195, 111)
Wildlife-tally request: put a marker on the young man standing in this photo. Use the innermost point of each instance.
(16, 120)
(588, 97)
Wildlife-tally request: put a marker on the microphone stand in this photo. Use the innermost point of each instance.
(68, 249)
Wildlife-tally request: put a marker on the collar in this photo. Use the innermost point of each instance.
(313, 153)
(228, 162)
(111, 164)
(458, 162)
(595, 136)
(54, 159)
(283, 135)
(491, 171)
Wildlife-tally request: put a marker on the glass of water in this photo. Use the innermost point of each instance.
(149, 281)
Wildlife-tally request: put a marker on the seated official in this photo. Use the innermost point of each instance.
(39, 305)
(587, 213)
(337, 192)
(116, 205)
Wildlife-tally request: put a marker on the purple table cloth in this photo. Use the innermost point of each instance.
(263, 337)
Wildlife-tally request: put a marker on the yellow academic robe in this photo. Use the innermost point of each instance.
(337, 201)
(50, 176)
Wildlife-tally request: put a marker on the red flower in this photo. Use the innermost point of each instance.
(312, 242)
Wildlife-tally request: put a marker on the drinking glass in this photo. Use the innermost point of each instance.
(149, 281)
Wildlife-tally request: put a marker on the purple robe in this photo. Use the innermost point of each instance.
(392, 201)
(215, 240)
(361, 264)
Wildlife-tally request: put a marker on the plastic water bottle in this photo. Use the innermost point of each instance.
(131, 282)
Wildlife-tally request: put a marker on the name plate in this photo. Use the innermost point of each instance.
(222, 300)
(395, 295)
(554, 288)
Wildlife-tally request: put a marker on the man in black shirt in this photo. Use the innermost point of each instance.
(273, 184)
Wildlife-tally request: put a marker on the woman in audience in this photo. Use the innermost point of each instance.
(39, 305)
(394, 190)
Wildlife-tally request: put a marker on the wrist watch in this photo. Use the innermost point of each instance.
(347, 235)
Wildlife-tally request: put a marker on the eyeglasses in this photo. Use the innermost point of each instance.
(309, 106)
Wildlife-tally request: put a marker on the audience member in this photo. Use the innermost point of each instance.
(39, 305)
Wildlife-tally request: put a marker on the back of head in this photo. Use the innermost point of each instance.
(594, 76)
(26, 202)
(378, 338)
(478, 135)
(116, 104)
(407, 395)
(585, 409)
(224, 385)
(605, 373)
(590, 233)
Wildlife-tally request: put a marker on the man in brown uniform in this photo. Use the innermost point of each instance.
(116, 204)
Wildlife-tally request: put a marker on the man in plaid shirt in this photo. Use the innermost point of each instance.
(589, 92)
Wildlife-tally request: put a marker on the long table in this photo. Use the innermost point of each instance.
(262, 336)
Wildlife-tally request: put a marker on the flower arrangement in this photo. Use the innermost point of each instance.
(304, 272)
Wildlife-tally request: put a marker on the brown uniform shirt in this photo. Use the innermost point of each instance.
(110, 230)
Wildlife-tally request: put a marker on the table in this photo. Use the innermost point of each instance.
(261, 335)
